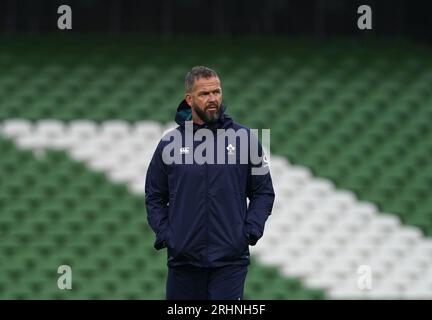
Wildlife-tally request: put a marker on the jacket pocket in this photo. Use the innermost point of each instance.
(170, 244)
(243, 243)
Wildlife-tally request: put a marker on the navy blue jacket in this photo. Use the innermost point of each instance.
(199, 211)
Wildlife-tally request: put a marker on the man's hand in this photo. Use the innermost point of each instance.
(252, 240)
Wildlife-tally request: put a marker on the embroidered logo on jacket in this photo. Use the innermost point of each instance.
(184, 150)
(230, 149)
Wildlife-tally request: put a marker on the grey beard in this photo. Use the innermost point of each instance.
(204, 116)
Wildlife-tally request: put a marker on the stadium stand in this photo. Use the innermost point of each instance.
(350, 140)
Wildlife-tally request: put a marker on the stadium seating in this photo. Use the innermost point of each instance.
(350, 141)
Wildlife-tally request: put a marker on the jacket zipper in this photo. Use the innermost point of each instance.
(207, 213)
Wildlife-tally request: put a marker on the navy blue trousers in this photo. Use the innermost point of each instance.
(193, 283)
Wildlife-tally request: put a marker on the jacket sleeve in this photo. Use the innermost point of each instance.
(157, 197)
(261, 197)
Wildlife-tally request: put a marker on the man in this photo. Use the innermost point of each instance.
(199, 210)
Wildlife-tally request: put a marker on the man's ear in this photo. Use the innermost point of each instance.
(188, 99)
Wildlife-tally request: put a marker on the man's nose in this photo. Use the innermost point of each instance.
(211, 97)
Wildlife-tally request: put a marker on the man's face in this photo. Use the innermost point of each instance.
(205, 99)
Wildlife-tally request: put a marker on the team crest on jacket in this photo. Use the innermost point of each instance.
(230, 149)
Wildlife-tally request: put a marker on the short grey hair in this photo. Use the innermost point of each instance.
(196, 73)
